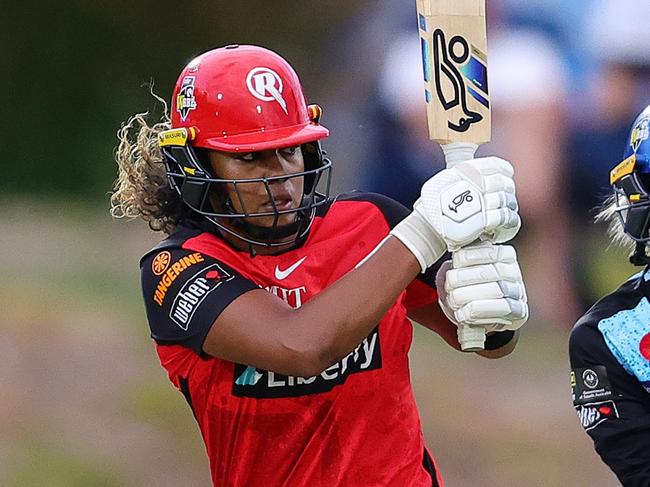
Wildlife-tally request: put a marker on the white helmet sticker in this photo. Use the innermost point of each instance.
(266, 85)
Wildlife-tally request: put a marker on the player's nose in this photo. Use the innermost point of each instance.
(277, 165)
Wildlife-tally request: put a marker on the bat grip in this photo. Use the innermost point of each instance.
(457, 152)
(471, 338)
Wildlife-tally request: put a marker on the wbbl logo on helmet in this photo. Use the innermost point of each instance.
(185, 101)
(266, 85)
(640, 133)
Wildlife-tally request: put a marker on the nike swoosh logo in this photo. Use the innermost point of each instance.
(283, 274)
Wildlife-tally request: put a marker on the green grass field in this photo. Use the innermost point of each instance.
(85, 402)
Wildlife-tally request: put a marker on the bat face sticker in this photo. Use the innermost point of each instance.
(454, 64)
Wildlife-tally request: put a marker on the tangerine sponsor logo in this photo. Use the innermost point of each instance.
(161, 262)
(172, 272)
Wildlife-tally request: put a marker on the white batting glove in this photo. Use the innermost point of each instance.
(482, 286)
(473, 200)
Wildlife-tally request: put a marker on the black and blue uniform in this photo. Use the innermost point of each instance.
(610, 378)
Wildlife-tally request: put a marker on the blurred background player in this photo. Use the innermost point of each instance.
(610, 344)
(282, 314)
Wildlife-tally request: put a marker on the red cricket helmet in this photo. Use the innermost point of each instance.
(243, 99)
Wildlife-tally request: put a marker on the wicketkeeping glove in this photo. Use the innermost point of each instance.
(482, 286)
(473, 200)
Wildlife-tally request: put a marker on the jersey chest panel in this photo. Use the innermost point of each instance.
(336, 244)
(299, 431)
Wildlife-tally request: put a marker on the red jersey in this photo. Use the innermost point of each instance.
(355, 424)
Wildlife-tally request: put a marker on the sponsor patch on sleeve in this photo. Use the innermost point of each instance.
(593, 414)
(590, 384)
(193, 293)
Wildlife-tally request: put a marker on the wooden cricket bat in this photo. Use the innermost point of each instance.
(453, 38)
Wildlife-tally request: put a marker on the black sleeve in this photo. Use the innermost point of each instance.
(612, 406)
(394, 212)
(184, 293)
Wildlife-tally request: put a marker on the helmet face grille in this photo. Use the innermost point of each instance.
(208, 196)
(633, 207)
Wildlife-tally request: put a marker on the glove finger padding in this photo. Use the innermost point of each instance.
(505, 233)
(509, 312)
(501, 199)
(484, 253)
(483, 286)
(484, 273)
(501, 219)
(457, 298)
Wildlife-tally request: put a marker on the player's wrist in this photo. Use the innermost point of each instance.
(421, 239)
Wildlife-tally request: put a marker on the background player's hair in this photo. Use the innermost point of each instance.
(607, 214)
(142, 189)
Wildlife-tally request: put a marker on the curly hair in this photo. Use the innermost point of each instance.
(142, 189)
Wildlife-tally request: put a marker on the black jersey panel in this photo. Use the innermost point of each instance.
(184, 293)
(612, 405)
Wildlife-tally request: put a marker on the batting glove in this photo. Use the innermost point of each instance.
(473, 200)
(482, 286)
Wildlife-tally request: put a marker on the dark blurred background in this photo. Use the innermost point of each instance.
(84, 402)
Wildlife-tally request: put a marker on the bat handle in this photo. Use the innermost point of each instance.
(457, 152)
(471, 338)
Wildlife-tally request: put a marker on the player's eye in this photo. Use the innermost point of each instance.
(290, 151)
(249, 157)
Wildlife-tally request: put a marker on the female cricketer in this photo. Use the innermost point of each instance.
(610, 344)
(282, 314)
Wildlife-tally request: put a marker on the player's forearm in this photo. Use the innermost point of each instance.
(260, 330)
(341, 316)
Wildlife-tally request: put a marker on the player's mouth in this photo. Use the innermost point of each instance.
(280, 202)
